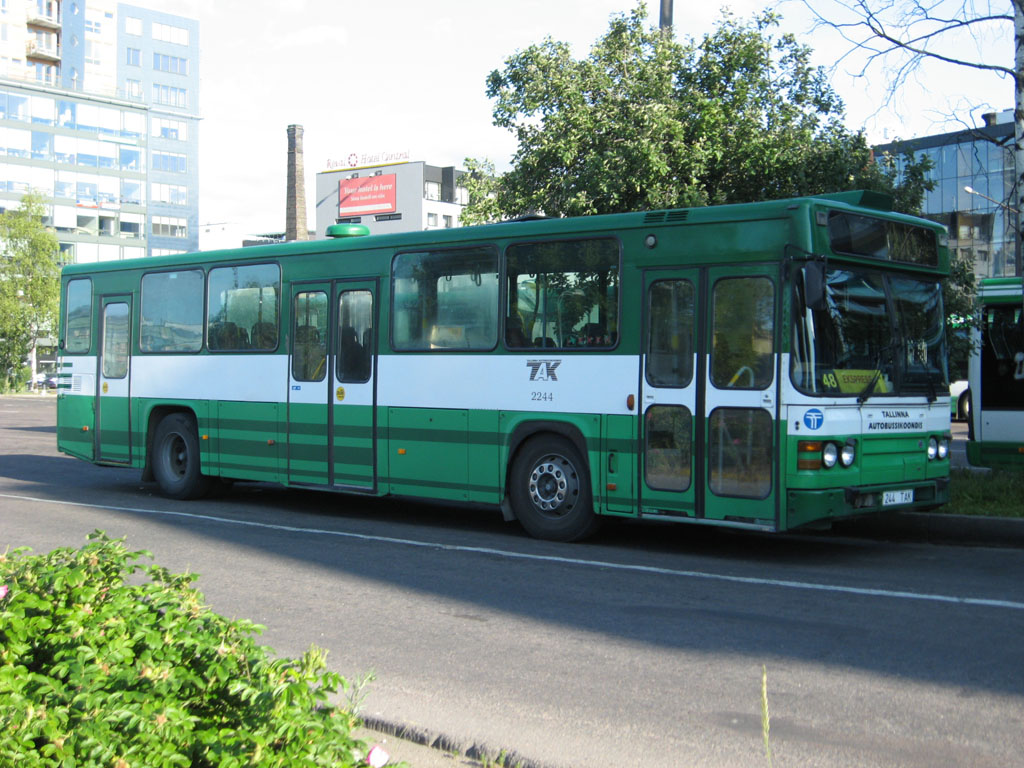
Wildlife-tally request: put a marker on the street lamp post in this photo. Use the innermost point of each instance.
(1017, 238)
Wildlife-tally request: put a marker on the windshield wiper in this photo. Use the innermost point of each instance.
(870, 388)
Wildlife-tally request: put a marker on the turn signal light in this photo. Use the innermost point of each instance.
(808, 454)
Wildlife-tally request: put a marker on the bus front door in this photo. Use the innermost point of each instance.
(740, 397)
(707, 426)
(113, 422)
(332, 385)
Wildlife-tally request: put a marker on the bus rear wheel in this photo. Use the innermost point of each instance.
(176, 458)
(549, 488)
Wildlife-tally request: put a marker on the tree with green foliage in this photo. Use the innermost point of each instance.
(29, 284)
(645, 122)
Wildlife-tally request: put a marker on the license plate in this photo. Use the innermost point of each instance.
(897, 497)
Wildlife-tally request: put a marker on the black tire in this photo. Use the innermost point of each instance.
(963, 405)
(549, 488)
(176, 458)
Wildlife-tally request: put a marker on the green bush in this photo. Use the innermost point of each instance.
(108, 663)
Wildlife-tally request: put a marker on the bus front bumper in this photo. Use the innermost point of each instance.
(805, 506)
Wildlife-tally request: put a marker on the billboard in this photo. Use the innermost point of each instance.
(367, 196)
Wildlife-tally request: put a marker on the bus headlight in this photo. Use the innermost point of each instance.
(829, 455)
(933, 448)
(849, 453)
(943, 448)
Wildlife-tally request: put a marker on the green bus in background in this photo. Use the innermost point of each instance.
(765, 366)
(995, 434)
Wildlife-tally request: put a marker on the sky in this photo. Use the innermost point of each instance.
(410, 76)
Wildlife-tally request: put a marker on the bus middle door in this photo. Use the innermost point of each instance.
(668, 425)
(113, 403)
(332, 385)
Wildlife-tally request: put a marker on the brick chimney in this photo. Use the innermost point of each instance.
(295, 225)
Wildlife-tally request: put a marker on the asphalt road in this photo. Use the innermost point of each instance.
(643, 647)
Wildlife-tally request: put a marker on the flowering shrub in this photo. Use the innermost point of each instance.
(96, 671)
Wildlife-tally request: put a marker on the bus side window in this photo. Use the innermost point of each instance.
(243, 308)
(566, 292)
(172, 311)
(445, 299)
(78, 316)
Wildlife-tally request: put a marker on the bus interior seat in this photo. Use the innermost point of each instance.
(227, 336)
(514, 336)
(544, 341)
(307, 334)
(594, 335)
(263, 335)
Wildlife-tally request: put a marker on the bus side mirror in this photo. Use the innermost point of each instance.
(814, 286)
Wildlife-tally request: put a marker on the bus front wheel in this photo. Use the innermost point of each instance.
(176, 458)
(963, 405)
(550, 491)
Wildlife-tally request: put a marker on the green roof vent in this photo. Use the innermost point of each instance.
(347, 230)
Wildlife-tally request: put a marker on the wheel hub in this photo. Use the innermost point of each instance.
(553, 485)
(179, 456)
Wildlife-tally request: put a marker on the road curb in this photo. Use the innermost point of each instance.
(938, 529)
(483, 753)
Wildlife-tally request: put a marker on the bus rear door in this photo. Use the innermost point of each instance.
(113, 423)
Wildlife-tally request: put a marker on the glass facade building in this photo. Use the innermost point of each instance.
(983, 229)
(99, 115)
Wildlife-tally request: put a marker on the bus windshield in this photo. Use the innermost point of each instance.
(868, 332)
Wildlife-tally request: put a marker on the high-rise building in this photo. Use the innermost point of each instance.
(982, 222)
(99, 113)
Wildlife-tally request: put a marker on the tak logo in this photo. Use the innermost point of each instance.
(543, 370)
(814, 418)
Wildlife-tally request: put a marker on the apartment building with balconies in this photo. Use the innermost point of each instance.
(99, 113)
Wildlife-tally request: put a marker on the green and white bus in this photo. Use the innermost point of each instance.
(764, 366)
(995, 433)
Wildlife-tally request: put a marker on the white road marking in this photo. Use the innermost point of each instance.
(752, 580)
